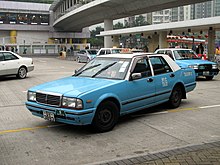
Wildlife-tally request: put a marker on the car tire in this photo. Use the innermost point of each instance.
(78, 60)
(176, 97)
(22, 73)
(209, 77)
(106, 117)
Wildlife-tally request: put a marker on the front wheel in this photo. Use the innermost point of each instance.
(176, 97)
(106, 117)
(22, 72)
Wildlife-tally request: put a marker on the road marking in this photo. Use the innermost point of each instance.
(183, 109)
(210, 106)
(29, 129)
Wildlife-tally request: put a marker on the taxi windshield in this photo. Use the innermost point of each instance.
(185, 54)
(110, 68)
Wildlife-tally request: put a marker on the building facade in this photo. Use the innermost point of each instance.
(29, 28)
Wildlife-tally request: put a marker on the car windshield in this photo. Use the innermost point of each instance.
(110, 68)
(185, 54)
(93, 52)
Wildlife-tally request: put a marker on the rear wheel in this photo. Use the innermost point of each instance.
(176, 97)
(106, 117)
(209, 77)
(22, 72)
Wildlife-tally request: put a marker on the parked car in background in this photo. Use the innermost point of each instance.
(85, 55)
(188, 58)
(13, 64)
(110, 86)
(104, 51)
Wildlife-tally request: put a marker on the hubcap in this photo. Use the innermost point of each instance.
(22, 72)
(105, 116)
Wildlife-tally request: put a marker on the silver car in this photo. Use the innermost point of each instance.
(86, 55)
(13, 64)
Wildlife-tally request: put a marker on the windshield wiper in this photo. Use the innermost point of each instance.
(93, 66)
(101, 70)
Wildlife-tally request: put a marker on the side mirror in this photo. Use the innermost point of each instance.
(135, 76)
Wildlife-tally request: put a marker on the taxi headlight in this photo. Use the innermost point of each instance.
(214, 66)
(31, 96)
(72, 103)
(193, 66)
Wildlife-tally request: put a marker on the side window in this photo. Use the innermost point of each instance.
(108, 51)
(102, 52)
(1, 57)
(160, 66)
(142, 66)
(9, 56)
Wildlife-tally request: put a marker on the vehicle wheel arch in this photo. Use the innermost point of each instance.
(112, 99)
(24, 67)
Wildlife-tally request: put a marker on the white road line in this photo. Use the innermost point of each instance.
(210, 106)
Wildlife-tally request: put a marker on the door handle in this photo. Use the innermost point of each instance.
(172, 75)
(150, 80)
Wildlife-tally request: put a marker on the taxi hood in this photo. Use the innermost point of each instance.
(73, 86)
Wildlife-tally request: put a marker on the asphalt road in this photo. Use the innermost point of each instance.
(26, 139)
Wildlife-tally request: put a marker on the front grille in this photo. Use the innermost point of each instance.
(48, 99)
(205, 67)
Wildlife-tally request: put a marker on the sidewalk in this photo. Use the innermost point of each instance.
(204, 154)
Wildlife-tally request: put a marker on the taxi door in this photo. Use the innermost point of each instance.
(141, 90)
(164, 78)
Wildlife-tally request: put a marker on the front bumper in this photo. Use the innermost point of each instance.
(212, 72)
(74, 117)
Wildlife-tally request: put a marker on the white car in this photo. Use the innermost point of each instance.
(104, 51)
(13, 64)
(86, 55)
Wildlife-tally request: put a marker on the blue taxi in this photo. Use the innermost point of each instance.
(110, 86)
(188, 58)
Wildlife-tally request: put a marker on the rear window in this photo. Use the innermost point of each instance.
(116, 51)
(160, 52)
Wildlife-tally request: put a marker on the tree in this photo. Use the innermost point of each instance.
(118, 25)
(140, 21)
(96, 41)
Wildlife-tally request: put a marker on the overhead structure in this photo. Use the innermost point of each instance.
(98, 10)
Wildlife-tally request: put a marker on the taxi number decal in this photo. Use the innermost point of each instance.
(164, 82)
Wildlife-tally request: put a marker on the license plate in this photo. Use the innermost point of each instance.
(206, 73)
(48, 116)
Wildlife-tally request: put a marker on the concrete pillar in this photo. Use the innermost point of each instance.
(108, 25)
(153, 42)
(163, 40)
(211, 44)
